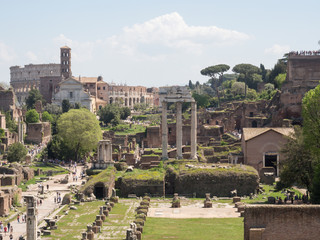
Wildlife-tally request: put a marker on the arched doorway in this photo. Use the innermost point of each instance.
(99, 190)
(254, 124)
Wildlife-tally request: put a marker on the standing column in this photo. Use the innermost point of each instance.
(179, 130)
(193, 130)
(31, 221)
(164, 126)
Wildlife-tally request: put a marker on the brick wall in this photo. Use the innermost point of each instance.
(281, 222)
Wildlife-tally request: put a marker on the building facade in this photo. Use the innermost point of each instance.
(73, 91)
(44, 77)
(262, 146)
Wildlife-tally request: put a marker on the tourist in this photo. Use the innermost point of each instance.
(5, 230)
(11, 229)
(18, 218)
(11, 236)
(8, 226)
(40, 202)
(1, 227)
(47, 186)
(55, 199)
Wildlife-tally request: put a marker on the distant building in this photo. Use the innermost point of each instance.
(47, 78)
(125, 95)
(303, 74)
(73, 91)
(44, 77)
(261, 146)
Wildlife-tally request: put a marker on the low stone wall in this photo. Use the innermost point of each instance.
(281, 222)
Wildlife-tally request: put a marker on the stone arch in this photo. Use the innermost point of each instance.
(100, 190)
(134, 101)
(111, 100)
(126, 102)
(130, 102)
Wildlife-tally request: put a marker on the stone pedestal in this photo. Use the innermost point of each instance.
(98, 220)
(236, 199)
(84, 236)
(176, 201)
(90, 233)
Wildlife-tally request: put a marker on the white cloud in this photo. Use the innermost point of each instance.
(6, 53)
(170, 32)
(277, 49)
(81, 51)
(32, 56)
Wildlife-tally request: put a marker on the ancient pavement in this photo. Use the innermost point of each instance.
(196, 210)
(48, 205)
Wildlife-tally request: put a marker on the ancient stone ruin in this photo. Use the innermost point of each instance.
(104, 158)
(178, 95)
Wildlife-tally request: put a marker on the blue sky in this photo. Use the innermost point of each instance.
(154, 43)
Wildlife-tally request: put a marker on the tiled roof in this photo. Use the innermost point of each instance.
(249, 133)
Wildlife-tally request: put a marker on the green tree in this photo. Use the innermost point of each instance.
(46, 117)
(311, 120)
(191, 86)
(201, 99)
(17, 152)
(237, 88)
(125, 112)
(65, 105)
(32, 116)
(2, 133)
(279, 67)
(110, 114)
(80, 131)
(53, 109)
(216, 76)
(247, 71)
(10, 123)
(279, 80)
(57, 149)
(297, 166)
(33, 96)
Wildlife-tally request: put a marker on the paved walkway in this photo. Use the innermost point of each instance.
(196, 210)
(48, 205)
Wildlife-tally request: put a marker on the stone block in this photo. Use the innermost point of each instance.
(236, 199)
(256, 233)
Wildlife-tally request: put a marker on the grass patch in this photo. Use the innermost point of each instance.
(127, 129)
(155, 175)
(194, 228)
(24, 185)
(269, 191)
(72, 225)
(45, 167)
(119, 220)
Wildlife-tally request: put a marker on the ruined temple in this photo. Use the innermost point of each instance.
(303, 74)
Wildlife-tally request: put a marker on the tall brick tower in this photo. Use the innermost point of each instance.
(65, 59)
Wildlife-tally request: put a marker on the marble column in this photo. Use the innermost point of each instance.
(193, 130)
(179, 130)
(164, 126)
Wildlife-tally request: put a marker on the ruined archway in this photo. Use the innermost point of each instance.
(254, 124)
(100, 190)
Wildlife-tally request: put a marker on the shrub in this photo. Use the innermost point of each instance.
(32, 116)
(17, 152)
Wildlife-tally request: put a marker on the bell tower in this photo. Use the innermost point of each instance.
(65, 62)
